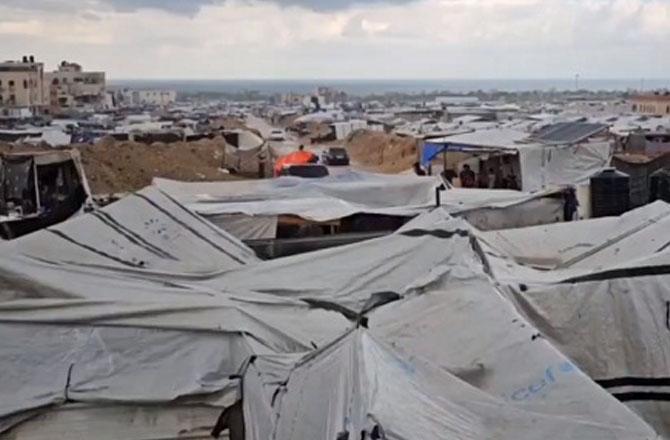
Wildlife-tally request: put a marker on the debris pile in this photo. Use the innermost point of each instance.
(382, 152)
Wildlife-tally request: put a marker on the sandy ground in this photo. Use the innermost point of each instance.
(117, 167)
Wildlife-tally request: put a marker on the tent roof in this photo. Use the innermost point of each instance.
(491, 138)
(83, 328)
(568, 132)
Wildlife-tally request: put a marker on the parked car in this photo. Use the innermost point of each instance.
(305, 170)
(335, 156)
(277, 135)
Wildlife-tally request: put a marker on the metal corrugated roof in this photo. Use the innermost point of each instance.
(568, 132)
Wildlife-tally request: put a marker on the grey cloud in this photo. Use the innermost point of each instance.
(90, 16)
(182, 7)
(192, 6)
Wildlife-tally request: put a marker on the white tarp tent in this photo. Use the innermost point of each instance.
(445, 351)
(373, 392)
(249, 209)
(541, 165)
(598, 290)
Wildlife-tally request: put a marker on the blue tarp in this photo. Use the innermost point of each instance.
(430, 151)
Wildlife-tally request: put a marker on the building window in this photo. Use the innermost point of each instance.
(11, 83)
(12, 99)
(634, 107)
(667, 109)
(54, 82)
(25, 83)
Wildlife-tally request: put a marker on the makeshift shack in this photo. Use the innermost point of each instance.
(559, 154)
(39, 189)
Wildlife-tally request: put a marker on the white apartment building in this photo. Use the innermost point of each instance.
(159, 98)
(22, 86)
(71, 87)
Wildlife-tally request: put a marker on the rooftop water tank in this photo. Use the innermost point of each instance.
(610, 193)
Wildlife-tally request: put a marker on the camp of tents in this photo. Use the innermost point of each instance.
(144, 320)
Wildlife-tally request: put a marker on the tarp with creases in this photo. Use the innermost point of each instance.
(340, 196)
(247, 227)
(325, 199)
(546, 166)
(598, 290)
(147, 231)
(447, 349)
(374, 392)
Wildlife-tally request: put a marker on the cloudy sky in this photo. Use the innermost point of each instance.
(344, 38)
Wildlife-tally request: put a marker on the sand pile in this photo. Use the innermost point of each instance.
(113, 167)
(382, 152)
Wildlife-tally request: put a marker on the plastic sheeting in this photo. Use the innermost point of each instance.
(323, 199)
(246, 227)
(372, 392)
(335, 197)
(446, 354)
(545, 166)
(146, 231)
(605, 301)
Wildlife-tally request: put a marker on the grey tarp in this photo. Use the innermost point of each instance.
(169, 334)
(606, 301)
(330, 198)
(79, 326)
(358, 387)
(342, 195)
(446, 312)
(147, 230)
(545, 166)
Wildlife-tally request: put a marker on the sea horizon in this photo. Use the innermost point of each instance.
(360, 87)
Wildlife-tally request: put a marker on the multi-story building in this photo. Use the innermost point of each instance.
(71, 87)
(657, 103)
(158, 98)
(22, 86)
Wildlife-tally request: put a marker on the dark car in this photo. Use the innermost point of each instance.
(305, 170)
(335, 156)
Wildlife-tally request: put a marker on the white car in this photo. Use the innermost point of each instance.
(277, 135)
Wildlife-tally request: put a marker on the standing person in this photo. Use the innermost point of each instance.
(467, 177)
(511, 181)
(570, 204)
(482, 178)
(492, 178)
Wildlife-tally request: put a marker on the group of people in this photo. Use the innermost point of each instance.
(487, 179)
(484, 179)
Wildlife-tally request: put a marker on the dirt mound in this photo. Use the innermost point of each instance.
(382, 152)
(113, 167)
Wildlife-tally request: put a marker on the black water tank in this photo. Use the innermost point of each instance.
(610, 193)
(659, 186)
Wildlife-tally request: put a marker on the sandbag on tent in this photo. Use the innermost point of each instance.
(145, 231)
(373, 392)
